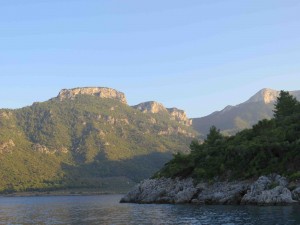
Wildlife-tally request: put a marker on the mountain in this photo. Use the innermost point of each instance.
(257, 166)
(270, 146)
(87, 138)
(155, 107)
(236, 118)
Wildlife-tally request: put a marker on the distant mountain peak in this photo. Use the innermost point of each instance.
(236, 118)
(265, 95)
(102, 92)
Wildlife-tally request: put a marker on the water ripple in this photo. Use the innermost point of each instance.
(106, 210)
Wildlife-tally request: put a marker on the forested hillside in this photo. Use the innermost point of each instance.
(270, 146)
(84, 138)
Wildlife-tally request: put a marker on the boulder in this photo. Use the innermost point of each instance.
(269, 190)
(279, 180)
(296, 194)
(222, 193)
(164, 190)
(185, 196)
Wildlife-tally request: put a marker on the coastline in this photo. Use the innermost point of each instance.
(69, 192)
(266, 190)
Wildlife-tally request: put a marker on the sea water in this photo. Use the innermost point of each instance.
(106, 209)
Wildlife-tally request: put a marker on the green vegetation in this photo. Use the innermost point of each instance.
(271, 146)
(83, 143)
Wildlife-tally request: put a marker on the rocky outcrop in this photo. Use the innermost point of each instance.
(296, 194)
(45, 150)
(177, 130)
(164, 190)
(5, 115)
(276, 196)
(100, 92)
(42, 149)
(221, 193)
(150, 107)
(155, 107)
(6, 147)
(271, 190)
(180, 116)
(267, 190)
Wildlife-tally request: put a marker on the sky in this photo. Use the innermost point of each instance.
(196, 55)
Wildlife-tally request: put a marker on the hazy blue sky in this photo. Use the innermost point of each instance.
(198, 55)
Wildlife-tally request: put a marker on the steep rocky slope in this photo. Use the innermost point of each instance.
(158, 108)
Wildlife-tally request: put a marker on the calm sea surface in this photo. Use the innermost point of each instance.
(106, 209)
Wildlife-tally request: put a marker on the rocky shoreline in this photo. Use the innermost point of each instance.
(266, 190)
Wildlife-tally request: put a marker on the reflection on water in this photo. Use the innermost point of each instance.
(106, 210)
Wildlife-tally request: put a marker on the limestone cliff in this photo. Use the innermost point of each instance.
(101, 92)
(155, 107)
(180, 116)
(150, 107)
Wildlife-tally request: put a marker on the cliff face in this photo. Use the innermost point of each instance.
(150, 107)
(101, 92)
(155, 107)
(180, 116)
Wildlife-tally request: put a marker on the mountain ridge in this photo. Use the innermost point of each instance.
(84, 138)
(266, 95)
(232, 119)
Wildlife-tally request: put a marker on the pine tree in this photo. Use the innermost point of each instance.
(286, 105)
(213, 136)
